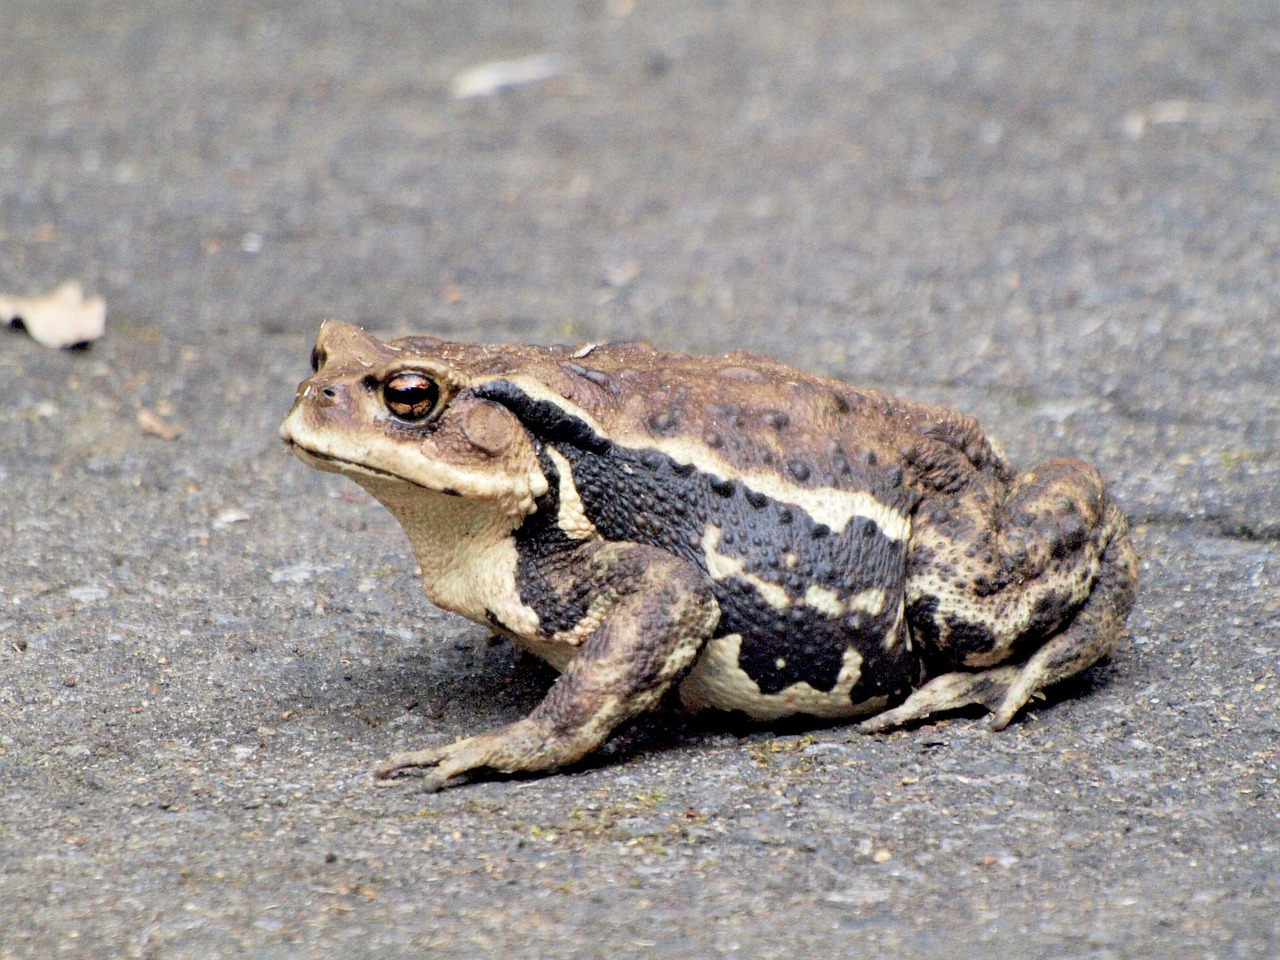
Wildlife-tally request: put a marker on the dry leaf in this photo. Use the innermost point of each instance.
(63, 318)
(152, 424)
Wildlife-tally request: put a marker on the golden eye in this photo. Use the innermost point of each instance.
(411, 396)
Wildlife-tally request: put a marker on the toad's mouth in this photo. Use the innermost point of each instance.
(331, 464)
(389, 478)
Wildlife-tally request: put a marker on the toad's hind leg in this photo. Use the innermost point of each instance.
(1052, 570)
(1092, 634)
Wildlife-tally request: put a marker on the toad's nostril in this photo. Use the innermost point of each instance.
(329, 392)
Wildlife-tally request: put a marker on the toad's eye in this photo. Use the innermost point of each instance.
(411, 396)
(317, 359)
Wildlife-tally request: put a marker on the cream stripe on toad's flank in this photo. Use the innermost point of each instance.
(827, 601)
(719, 683)
(573, 516)
(835, 508)
(721, 567)
(826, 505)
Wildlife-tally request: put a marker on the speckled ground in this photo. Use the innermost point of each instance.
(1061, 217)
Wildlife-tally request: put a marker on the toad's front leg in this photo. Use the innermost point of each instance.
(650, 615)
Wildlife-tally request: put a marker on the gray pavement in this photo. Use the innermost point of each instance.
(1063, 217)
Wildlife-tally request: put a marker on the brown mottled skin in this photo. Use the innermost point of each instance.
(754, 537)
(753, 411)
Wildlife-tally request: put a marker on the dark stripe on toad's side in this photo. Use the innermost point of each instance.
(644, 496)
(542, 418)
(545, 557)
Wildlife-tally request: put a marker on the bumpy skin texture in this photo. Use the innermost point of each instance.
(753, 537)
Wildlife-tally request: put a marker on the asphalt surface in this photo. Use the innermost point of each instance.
(1063, 217)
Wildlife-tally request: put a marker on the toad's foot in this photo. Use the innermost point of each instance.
(524, 745)
(951, 691)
